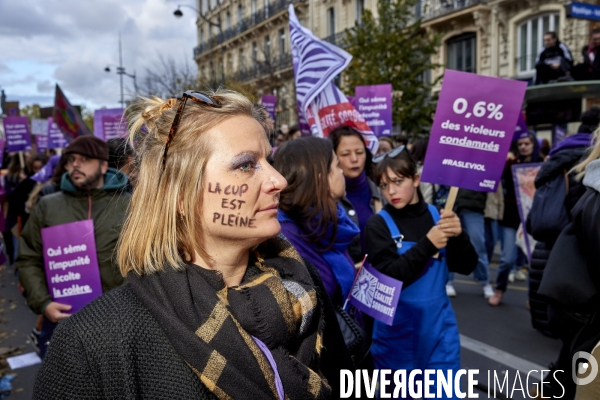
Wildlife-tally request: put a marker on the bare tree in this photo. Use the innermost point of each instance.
(169, 78)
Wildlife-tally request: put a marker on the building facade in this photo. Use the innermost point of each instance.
(248, 40)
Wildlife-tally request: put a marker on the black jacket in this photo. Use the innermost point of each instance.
(114, 349)
(557, 54)
(414, 222)
(470, 200)
(552, 169)
(594, 64)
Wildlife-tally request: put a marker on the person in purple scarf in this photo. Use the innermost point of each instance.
(309, 213)
(363, 197)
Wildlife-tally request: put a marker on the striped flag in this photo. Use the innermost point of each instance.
(316, 64)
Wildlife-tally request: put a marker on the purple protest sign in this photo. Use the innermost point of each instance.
(114, 126)
(472, 130)
(269, 102)
(374, 103)
(71, 263)
(56, 139)
(103, 126)
(376, 294)
(41, 143)
(16, 131)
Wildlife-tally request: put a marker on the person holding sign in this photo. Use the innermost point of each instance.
(89, 190)
(410, 241)
(216, 304)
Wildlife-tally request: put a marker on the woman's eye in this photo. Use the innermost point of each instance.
(398, 182)
(382, 187)
(247, 166)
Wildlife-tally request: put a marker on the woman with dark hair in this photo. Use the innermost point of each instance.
(526, 149)
(410, 241)
(310, 216)
(362, 198)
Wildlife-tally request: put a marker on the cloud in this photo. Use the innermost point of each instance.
(70, 42)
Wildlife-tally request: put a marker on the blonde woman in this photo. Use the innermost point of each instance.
(216, 305)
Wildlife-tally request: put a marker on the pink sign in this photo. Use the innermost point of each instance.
(71, 263)
(472, 130)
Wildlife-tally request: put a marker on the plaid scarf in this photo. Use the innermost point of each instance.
(211, 326)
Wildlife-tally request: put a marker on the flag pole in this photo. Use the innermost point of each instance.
(354, 283)
(315, 112)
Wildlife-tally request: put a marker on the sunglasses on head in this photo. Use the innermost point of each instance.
(391, 154)
(190, 94)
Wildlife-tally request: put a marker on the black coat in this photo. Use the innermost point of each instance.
(114, 349)
(595, 73)
(552, 169)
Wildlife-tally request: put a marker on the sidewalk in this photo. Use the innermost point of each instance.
(16, 322)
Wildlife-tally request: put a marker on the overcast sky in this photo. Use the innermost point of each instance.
(70, 42)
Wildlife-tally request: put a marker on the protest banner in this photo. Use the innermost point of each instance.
(376, 294)
(71, 263)
(39, 127)
(524, 180)
(109, 124)
(321, 103)
(16, 131)
(472, 131)
(374, 103)
(41, 142)
(269, 102)
(56, 139)
(67, 117)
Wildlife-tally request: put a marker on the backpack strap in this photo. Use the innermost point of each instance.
(392, 227)
(435, 213)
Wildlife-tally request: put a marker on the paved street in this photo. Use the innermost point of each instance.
(493, 339)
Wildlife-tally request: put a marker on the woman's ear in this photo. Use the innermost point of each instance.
(416, 180)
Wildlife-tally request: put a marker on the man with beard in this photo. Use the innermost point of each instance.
(88, 190)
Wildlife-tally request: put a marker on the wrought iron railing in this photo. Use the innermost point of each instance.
(263, 68)
(338, 39)
(431, 9)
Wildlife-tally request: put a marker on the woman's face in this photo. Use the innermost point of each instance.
(525, 147)
(384, 147)
(36, 166)
(398, 190)
(241, 189)
(352, 155)
(337, 183)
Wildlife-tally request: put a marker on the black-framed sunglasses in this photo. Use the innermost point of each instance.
(190, 94)
(391, 154)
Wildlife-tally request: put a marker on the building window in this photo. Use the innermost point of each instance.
(254, 53)
(331, 21)
(203, 72)
(531, 40)
(241, 59)
(230, 63)
(213, 4)
(360, 6)
(204, 6)
(461, 53)
(266, 8)
(201, 36)
(228, 20)
(282, 40)
(240, 14)
(267, 48)
(253, 9)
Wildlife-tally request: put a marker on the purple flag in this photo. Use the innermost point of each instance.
(376, 294)
(47, 170)
(524, 180)
(316, 63)
(472, 130)
(56, 139)
(16, 131)
(71, 263)
(269, 102)
(374, 103)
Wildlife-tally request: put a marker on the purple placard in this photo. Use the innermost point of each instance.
(41, 142)
(98, 120)
(71, 263)
(374, 103)
(113, 126)
(16, 131)
(56, 139)
(269, 102)
(376, 294)
(472, 130)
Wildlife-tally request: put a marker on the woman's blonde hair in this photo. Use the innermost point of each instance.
(163, 225)
(594, 154)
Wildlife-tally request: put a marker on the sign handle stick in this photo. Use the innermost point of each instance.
(451, 198)
(354, 283)
(315, 112)
(21, 159)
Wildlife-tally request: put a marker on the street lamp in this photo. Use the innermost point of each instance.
(178, 14)
(121, 71)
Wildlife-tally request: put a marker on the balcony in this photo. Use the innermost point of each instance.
(275, 7)
(338, 39)
(262, 68)
(431, 9)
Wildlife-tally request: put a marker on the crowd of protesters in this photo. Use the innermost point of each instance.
(199, 305)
